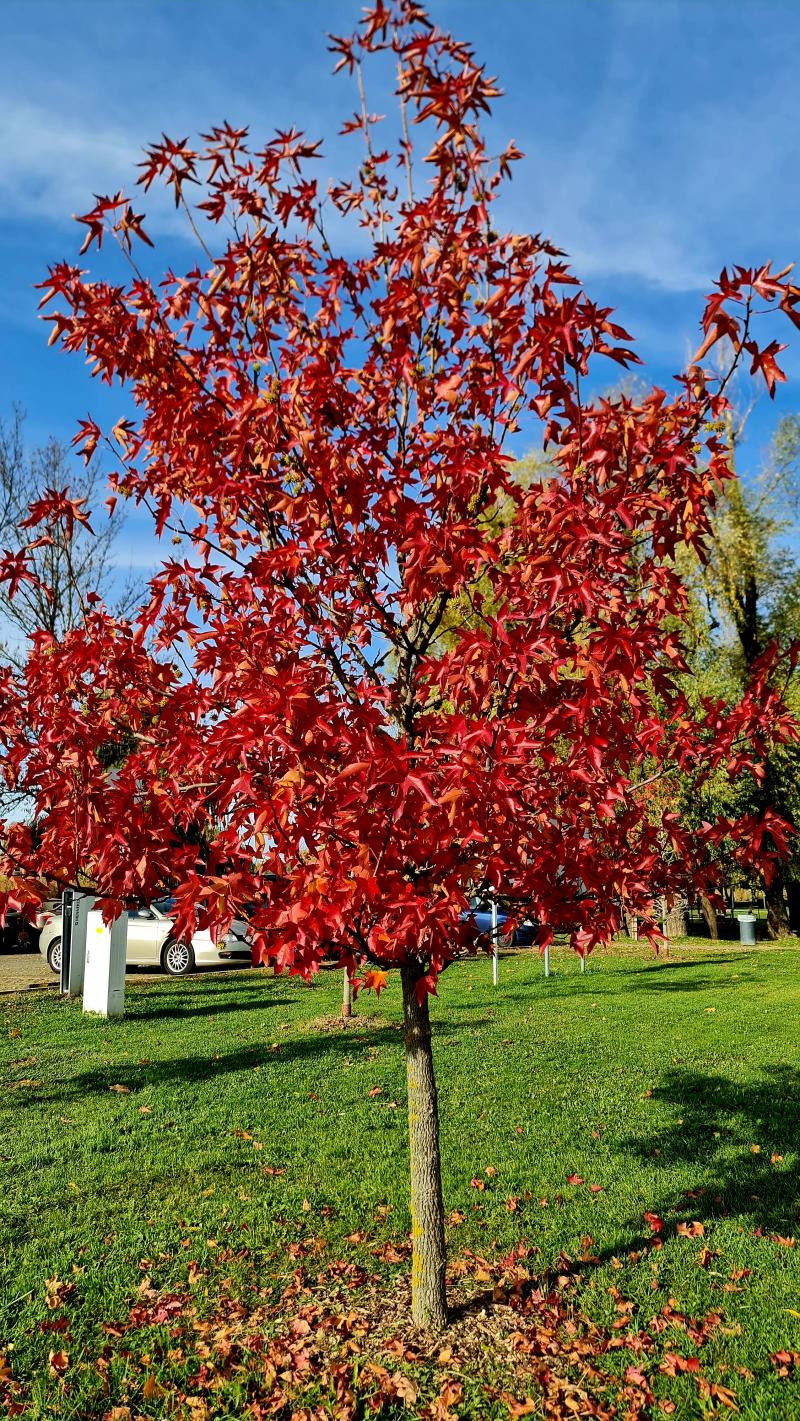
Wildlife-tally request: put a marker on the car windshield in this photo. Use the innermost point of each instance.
(165, 907)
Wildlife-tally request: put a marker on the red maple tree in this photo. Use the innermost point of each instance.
(379, 673)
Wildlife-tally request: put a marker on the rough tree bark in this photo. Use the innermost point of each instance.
(709, 913)
(673, 919)
(428, 1298)
(777, 916)
(347, 995)
(793, 897)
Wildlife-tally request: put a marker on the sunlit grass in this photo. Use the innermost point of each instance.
(248, 1114)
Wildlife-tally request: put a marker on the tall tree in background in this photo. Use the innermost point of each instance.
(70, 565)
(330, 435)
(749, 579)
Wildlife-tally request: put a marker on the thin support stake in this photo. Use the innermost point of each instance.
(495, 943)
(547, 962)
(583, 962)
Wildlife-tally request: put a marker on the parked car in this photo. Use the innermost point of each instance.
(480, 913)
(151, 944)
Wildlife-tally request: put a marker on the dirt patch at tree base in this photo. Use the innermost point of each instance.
(334, 1341)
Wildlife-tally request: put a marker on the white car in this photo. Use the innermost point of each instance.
(150, 943)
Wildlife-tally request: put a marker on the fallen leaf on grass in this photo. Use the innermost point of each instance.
(654, 1223)
(634, 1377)
(673, 1364)
(692, 1230)
(376, 1090)
(57, 1292)
(404, 1389)
(785, 1362)
(712, 1391)
(574, 1179)
(243, 1135)
(59, 1361)
(121, 1089)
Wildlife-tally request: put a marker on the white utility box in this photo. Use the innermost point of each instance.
(104, 976)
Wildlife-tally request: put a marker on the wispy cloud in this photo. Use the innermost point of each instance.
(51, 166)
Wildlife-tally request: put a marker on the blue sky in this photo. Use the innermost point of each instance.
(661, 141)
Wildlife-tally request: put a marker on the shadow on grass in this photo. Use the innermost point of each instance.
(649, 979)
(200, 1068)
(185, 1010)
(743, 1138)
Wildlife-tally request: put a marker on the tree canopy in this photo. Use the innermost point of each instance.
(325, 405)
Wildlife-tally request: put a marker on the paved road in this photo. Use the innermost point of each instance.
(23, 971)
(20, 971)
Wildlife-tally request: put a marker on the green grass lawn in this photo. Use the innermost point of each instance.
(258, 1152)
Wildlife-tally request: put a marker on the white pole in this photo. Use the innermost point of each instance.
(495, 943)
(583, 962)
(547, 962)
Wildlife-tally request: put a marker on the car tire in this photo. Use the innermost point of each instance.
(54, 955)
(177, 959)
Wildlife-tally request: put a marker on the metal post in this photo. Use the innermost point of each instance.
(495, 943)
(75, 908)
(66, 939)
(583, 962)
(547, 962)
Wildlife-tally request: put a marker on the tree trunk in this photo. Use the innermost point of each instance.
(428, 1298)
(347, 995)
(793, 895)
(777, 916)
(674, 919)
(709, 913)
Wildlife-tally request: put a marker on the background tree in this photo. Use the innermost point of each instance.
(327, 433)
(747, 598)
(71, 565)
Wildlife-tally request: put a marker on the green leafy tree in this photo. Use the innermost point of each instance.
(745, 597)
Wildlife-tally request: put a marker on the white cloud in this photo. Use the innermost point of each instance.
(51, 166)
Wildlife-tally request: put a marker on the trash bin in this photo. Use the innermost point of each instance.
(747, 927)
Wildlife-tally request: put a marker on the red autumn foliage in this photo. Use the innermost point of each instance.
(325, 422)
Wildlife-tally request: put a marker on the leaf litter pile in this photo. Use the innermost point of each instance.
(332, 1342)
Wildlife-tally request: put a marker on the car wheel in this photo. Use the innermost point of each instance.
(54, 955)
(177, 959)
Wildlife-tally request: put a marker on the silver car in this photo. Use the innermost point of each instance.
(151, 944)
